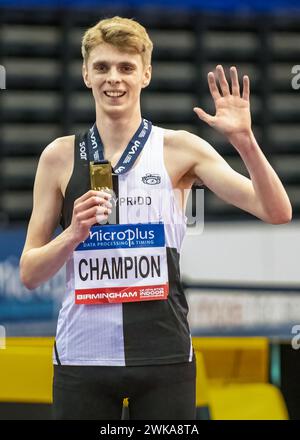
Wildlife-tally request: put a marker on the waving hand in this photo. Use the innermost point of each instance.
(232, 116)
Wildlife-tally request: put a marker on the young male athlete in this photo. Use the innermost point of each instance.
(122, 329)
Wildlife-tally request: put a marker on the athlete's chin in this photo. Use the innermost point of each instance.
(116, 110)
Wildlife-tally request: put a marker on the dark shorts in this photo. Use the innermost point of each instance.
(155, 392)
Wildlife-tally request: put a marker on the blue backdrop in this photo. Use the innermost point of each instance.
(214, 5)
(24, 311)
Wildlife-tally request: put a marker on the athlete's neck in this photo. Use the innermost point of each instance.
(116, 133)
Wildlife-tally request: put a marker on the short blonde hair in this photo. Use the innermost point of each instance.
(125, 34)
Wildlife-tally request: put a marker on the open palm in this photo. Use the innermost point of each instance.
(232, 116)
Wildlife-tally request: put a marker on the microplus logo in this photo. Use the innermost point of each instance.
(2, 78)
(129, 235)
(124, 236)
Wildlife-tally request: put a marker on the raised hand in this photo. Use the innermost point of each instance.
(232, 116)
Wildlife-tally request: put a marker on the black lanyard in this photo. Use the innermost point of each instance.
(131, 152)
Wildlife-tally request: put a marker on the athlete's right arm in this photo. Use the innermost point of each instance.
(42, 257)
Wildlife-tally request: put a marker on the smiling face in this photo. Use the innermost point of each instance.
(116, 79)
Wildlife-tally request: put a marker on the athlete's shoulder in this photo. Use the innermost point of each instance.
(182, 139)
(58, 150)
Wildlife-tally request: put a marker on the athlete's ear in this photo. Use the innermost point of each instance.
(85, 75)
(147, 76)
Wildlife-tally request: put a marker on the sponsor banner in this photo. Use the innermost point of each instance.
(242, 312)
(122, 268)
(22, 311)
(117, 295)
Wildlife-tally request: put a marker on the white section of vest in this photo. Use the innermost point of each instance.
(149, 189)
(94, 334)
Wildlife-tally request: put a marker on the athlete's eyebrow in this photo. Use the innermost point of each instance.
(128, 63)
(100, 63)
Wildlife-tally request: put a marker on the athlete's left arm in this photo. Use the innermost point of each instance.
(263, 195)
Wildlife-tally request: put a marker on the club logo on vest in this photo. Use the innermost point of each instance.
(151, 179)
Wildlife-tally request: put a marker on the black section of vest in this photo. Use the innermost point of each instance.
(115, 180)
(79, 184)
(157, 332)
(56, 354)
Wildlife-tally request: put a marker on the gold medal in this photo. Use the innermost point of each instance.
(101, 176)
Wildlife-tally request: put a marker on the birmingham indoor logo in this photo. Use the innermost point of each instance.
(2, 78)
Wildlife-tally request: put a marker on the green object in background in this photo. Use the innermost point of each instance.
(275, 364)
